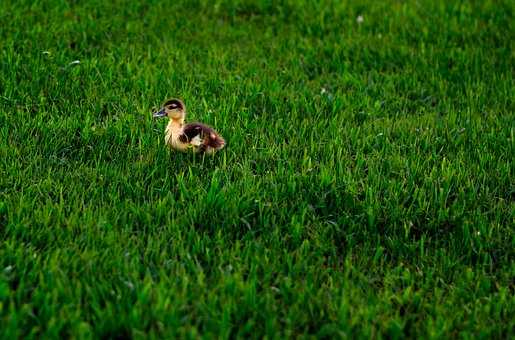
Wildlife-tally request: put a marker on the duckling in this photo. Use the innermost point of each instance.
(194, 136)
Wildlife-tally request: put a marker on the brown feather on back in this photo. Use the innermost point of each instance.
(208, 136)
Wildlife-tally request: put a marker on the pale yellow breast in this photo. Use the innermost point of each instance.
(172, 133)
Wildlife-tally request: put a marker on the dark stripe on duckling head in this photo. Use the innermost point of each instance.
(175, 104)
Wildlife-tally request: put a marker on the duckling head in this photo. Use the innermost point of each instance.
(173, 109)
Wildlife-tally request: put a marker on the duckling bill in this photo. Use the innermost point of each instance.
(193, 136)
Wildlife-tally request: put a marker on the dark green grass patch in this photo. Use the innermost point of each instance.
(366, 190)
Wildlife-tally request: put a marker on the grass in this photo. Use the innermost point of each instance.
(367, 188)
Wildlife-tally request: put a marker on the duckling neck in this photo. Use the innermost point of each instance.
(174, 129)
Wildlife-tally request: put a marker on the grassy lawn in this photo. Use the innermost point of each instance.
(366, 189)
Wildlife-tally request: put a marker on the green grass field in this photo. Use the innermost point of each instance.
(366, 190)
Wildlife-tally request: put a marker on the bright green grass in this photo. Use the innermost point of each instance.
(367, 188)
